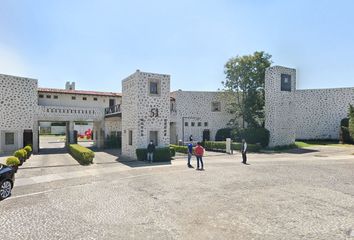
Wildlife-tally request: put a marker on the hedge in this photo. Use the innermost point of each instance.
(222, 134)
(12, 161)
(160, 154)
(344, 136)
(221, 146)
(21, 154)
(83, 155)
(252, 135)
(180, 149)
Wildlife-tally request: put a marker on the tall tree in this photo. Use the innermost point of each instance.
(245, 78)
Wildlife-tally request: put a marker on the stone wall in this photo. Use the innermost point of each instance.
(18, 101)
(196, 108)
(143, 112)
(302, 114)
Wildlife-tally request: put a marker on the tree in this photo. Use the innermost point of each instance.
(245, 78)
(351, 122)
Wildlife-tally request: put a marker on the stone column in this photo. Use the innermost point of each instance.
(99, 134)
(35, 146)
(71, 132)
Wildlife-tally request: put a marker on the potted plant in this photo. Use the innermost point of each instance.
(21, 155)
(28, 149)
(13, 162)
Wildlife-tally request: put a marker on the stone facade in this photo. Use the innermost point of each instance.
(192, 114)
(303, 114)
(145, 112)
(18, 102)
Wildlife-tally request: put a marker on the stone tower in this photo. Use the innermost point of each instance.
(280, 112)
(145, 111)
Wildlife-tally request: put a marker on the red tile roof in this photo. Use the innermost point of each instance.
(80, 92)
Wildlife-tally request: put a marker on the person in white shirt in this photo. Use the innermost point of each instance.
(244, 151)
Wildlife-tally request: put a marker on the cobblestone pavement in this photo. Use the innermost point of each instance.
(277, 196)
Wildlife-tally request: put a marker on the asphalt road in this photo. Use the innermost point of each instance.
(277, 196)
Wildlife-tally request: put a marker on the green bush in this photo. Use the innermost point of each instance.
(180, 149)
(252, 135)
(351, 122)
(344, 136)
(160, 154)
(222, 134)
(172, 151)
(28, 149)
(83, 155)
(12, 161)
(20, 154)
(221, 146)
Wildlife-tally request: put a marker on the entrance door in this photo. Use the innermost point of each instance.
(154, 137)
(27, 138)
(206, 135)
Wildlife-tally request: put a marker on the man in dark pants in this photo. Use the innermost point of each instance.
(150, 151)
(244, 151)
(190, 153)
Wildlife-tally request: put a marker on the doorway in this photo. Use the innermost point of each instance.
(154, 137)
(27, 137)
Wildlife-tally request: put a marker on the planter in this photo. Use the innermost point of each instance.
(15, 168)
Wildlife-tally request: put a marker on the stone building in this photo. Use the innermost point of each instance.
(147, 110)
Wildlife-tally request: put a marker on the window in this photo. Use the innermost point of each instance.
(9, 138)
(55, 97)
(205, 124)
(49, 96)
(186, 124)
(285, 82)
(84, 98)
(130, 137)
(199, 124)
(73, 98)
(153, 88)
(215, 106)
(94, 99)
(41, 96)
(192, 124)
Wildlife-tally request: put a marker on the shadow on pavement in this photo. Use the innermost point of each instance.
(291, 151)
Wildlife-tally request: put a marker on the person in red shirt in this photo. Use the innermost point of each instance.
(199, 152)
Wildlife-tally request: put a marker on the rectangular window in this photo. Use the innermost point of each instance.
(41, 96)
(153, 88)
(192, 124)
(285, 82)
(199, 124)
(49, 96)
(130, 137)
(84, 98)
(73, 98)
(186, 124)
(94, 99)
(205, 124)
(9, 138)
(215, 106)
(55, 97)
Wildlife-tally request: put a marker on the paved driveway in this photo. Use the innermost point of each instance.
(278, 196)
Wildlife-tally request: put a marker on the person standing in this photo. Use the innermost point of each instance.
(191, 138)
(199, 152)
(190, 153)
(244, 151)
(150, 151)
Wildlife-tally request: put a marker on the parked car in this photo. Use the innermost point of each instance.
(7, 180)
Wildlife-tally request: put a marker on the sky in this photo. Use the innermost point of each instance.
(97, 43)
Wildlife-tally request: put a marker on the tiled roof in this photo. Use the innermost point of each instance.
(81, 92)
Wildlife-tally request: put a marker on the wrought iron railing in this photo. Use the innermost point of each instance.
(112, 109)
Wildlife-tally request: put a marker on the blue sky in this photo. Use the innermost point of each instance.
(98, 43)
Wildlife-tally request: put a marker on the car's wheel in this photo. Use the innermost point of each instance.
(5, 189)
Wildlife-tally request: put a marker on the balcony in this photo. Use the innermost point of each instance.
(112, 111)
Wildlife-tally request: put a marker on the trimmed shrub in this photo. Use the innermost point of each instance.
(12, 161)
(180, 149)
(172, 151)
(28, 149)
(221, 146)
(21, 154)
(351, 122)
(160, 154)
(222, 134)
(83, 155)
(252, 135)
(344, 136)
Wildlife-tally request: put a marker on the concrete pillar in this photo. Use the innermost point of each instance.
(99, 134)
(228, 145)
(35, 147)
(71, 132)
